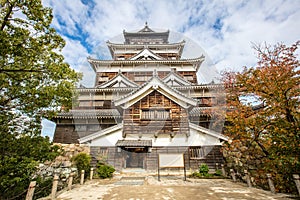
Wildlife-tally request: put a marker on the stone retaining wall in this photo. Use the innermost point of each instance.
(70, 150)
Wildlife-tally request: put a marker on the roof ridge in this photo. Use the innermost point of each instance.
(146, 28)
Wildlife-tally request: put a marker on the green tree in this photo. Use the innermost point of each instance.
(265, 138)
(34, 82)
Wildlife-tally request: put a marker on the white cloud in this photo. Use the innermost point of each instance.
(76, 55)
(68, 15)
(224, 29)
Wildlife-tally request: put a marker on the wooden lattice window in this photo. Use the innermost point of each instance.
(197, 152)
(155, 114)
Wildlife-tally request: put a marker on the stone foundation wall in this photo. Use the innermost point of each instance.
(70, 150)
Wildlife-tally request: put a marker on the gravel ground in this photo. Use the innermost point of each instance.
(169, 188)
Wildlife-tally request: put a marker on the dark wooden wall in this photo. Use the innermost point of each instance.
(116, 157)
(68, 130)
(141, 77)
(134, 123)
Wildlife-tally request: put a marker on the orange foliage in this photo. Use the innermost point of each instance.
(271, 132)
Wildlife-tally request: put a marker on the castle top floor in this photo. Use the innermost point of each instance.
(146, 36)
(142, 53)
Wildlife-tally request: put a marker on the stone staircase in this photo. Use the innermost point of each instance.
(138, 176)
(131, 180)
(132, 176)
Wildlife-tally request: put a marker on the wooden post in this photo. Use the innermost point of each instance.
(248, 180)
(271, 184)
(82, 177)
(54, 186)
(297, 181)
(70, 181)
(30, 190)
(223, 170)
(232, 175)
(91, 173)
(158, 168)
(184, 168)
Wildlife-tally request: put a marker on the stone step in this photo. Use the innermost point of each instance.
(131, 181)
(133, 170)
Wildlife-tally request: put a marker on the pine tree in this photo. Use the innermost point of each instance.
(34, 82)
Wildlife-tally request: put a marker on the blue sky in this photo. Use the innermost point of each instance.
(225, 30)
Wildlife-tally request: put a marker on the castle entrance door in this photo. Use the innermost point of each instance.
(136, 157)
(134, 152)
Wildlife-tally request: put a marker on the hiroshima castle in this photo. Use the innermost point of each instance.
(146, 103)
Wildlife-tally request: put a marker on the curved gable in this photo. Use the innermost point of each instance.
(118, 81)
(157, 84)
(173, 79)
(146, 54)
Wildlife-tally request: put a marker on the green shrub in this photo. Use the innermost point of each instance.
(203, 170)
(82, 162)
(104, 170)
(195, 175)
(198, 175)
(208, 175)
(218, 173)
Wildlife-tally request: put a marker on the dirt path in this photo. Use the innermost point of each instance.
(166, 189)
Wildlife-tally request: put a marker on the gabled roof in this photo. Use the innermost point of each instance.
(178, 45)
(116, 48)
(173, 79)
(155, 83)
(208, 132)
(145, 33)
(101, 133)
(118, 81)
(89, 114)
(100, 64)
(134, 143)
(145, 54)
(201, 111)
(146, 29)
(202, 86)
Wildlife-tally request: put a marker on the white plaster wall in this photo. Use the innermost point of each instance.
(107, 140)
(196, 138)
